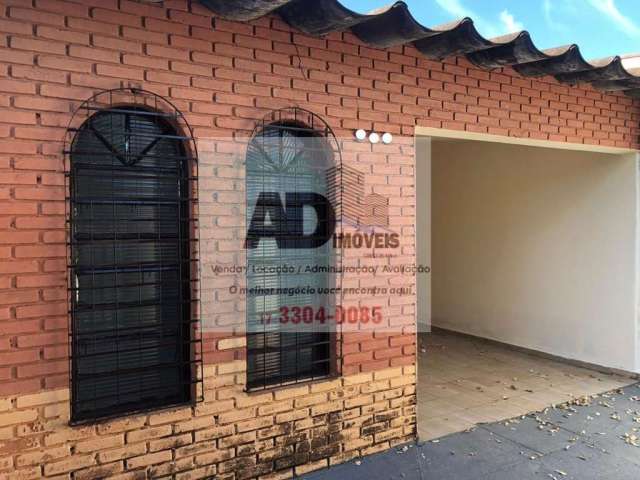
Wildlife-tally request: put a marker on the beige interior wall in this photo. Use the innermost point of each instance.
(536, 247)
(423, 231)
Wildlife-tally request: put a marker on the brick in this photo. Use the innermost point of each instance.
(42, 456)
(191, 68)
(175, 441)
(19, 387)
(193, 424)
(230, 343)
(40, 251)
(44, 369)
(38, 133)
(117, 454)
(168, 78)
(6, 463)
(61, 34)
(166, 26)
(204, 21)
(67, 435)
(30, 223)
(24, 474)
(167, 52)
(64, 63)
(42, 398)
(63, 7)
(58, 410)
(56, 351)
(121, 425)
(8, 26)
(17, 417)
(36, 16)
(50, 309)
(25, 118)
(119, 72)
(117, 44)
(40, 74)
(76, 462)
(99, 444)
(309, 400)
(92, 26)
(148, 62)
(311, 466)
(192, 94)
(102, 471)
(41, 104)
(44, 339)
(169, 417)
(213, 433)
(18, 267)
(20, 147)
(15, 56)
(17, 86)
(45, 46)
(150, 459)
(111, 16)
(211, 59)
(144, 35)
(148, 433)
(93, 53)
(13, 296)
(236, 415)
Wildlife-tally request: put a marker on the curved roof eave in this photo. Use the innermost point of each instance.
(394, 25)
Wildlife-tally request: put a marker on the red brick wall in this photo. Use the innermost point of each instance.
(224, 76)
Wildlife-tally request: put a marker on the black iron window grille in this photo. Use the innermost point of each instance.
(135, 339)
(292, 338)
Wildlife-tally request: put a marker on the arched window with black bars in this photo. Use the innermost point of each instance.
(292, 157)
(135, 341)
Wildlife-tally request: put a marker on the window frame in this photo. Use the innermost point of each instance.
(131, 101)
(312, 125)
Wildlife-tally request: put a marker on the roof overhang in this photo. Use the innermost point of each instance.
(394, 25)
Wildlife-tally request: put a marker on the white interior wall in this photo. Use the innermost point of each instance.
(535, 247)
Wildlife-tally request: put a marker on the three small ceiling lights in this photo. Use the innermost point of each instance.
(361, 136)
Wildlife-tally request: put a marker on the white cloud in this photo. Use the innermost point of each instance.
(548, 10)
(510, 23)
(505, 23)
(624, 23)
(457, 9)
(454, 7)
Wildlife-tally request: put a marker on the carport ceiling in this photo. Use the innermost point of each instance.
(394, 25)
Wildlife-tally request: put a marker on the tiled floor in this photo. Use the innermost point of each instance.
(464, 381)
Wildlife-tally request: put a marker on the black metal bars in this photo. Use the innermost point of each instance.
(135, 336)
(290, 153)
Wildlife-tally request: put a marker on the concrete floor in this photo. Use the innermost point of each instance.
(593, 439)
(463, 381)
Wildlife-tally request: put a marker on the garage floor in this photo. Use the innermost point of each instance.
(592, 441)
(464, 381)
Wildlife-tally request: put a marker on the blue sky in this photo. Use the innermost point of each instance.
(601, 27)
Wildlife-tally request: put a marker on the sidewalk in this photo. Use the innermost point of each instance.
(593, 439)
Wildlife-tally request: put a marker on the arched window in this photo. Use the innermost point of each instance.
(131, 266)
(290, 167)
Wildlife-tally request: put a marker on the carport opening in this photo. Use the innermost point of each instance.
(532, 291)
